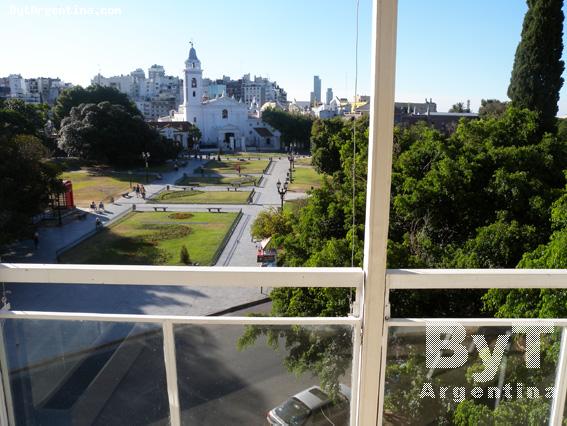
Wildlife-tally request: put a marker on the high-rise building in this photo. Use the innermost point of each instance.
(317, 89)
(155, 96)
(329, 96)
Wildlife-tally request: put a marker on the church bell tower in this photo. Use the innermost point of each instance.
(193, 88)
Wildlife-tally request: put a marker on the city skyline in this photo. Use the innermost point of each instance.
(448, 52)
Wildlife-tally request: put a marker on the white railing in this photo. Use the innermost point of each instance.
(454, 279)
(182, 276)
(289, 277)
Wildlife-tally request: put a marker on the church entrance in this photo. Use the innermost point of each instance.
(227, 137)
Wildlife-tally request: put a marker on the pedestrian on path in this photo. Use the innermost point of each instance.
(101, 206)
(137, 190)
(143, 191)
(98, 223)
(93, 206)
(35, 240)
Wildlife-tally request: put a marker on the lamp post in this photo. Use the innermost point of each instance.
(146, 157)
(282, 190)
(291, 166)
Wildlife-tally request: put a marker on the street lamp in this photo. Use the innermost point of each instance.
(146, 157)
(291, 166)
(282, 190)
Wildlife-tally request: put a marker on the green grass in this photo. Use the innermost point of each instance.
(96, 184)
(230, 167)
(253, 155)
(202, 197)
(303, 161)
(305, 178)
(217, 181)
(146, 238)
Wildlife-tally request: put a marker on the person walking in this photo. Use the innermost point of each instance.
(101, 206)
(35, 240)
(137, 190)
(143, 191)
(98, 223)
(93, 206)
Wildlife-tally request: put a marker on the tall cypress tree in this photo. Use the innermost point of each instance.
(536, 76)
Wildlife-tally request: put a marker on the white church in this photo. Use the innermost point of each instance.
(224, 122)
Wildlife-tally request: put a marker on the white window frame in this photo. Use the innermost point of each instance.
(372, 283)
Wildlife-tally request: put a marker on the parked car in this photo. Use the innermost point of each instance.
(312, 407)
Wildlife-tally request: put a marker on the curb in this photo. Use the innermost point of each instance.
(239, 307)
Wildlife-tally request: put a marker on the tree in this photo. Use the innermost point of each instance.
(93, 94)
(184, 255)
(459, 107)
(325, 145)
(536, 75)
(25, 184)
(110, 134)
(491, 108)
(294, 128)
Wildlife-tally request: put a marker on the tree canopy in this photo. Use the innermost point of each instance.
(294, 128)
(108, 133)
(26, 180)
(93, 94)
(536, 75)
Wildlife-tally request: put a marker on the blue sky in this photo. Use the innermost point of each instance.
(449, 50)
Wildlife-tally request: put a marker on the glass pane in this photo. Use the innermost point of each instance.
(241, 375)
(88, 373)
(497, 384)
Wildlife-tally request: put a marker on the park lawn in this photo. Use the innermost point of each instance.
(99, 184)
(149, 238)
(202, 197)
(217, 180)
(305, 178)
(253, 155)
(230, 167)
(303, 161)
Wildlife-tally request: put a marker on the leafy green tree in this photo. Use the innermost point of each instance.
(536, 75)
(110, 134)
(325, 145)
(294, 128)
(25, 184)
(491, 108)
(459, 107)
(184, 255)
(93, 94)
(270, 223)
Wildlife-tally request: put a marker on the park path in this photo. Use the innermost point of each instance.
(239, 251)
(53, 239)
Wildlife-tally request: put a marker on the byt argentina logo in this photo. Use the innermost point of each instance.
(445, 349)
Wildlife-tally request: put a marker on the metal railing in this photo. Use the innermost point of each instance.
(289, 277)
(250, 277)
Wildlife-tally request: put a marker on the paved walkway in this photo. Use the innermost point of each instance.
(239, 251)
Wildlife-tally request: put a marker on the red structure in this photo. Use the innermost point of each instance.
(69, 202)
(64, 200)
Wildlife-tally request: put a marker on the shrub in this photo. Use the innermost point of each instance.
(184, 255)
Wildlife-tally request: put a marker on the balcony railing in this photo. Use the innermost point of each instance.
(167, 327)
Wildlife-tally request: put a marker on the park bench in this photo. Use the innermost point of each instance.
(218, 209)
(157, 208)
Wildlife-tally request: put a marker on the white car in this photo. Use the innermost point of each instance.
(313, 406)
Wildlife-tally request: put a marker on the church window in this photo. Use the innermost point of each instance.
(193, 82)
(194, 119)
(194, 93)
(224, 113)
